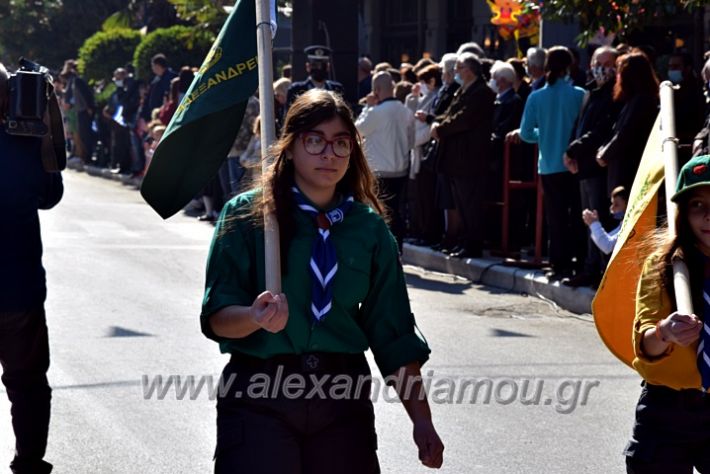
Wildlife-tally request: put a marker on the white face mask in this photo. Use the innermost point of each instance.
(603, 74)
(423, 87)
(118, 82)
(494, 85)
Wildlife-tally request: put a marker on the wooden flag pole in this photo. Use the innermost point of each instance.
(272, 267)
(681, 279)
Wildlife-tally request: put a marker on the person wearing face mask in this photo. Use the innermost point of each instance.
(636, 91)
(688, 102)
(464, 134)
(426, 220)
(121, 112)
(318, 69)
(508, 104)
(443, 197)
(507, 112)
(592, 131)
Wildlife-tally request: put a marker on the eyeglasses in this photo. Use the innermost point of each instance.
(315, 144)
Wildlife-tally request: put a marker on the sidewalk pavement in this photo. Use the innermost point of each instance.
(489, 271)
(492, 272)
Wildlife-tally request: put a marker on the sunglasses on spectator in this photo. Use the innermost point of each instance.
(315, 144)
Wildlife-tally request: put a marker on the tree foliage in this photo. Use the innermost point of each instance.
(104, 51)
(613, 16)
(140, 14)
(208, 14)
(182, 45)
(49, 31)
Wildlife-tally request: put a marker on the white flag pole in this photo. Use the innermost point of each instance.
(681, 279)
(272, 267)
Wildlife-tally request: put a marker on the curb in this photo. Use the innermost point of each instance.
(104, 173)
(493, 272)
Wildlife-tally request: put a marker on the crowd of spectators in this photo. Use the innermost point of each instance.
(582, 130)
(439, 135)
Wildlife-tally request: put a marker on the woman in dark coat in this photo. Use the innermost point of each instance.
(637, 88)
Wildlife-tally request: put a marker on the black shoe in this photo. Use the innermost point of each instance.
(582, 279)
(467, 254)
(437, 247)
(453, 250)
(19, 466)
(557, 275)
(207, 218)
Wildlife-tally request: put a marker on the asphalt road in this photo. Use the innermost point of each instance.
(124, 297)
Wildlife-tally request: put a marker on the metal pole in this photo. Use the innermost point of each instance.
(681, 279)
(272, 264)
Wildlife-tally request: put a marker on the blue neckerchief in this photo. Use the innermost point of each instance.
(323, 264)
(704, 344)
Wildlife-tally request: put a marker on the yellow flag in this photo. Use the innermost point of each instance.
(614, 305)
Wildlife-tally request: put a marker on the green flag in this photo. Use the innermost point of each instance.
(208, 118)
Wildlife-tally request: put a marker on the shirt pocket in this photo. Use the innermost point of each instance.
(352, 282)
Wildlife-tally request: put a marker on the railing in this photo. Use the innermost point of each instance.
(509, 187)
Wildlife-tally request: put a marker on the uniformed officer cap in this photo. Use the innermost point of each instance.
(318, 53)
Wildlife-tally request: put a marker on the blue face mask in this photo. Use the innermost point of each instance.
(458, 79)
(676, 76)
(618, 215)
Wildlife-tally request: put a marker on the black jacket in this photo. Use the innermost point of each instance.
(631, 130)
(298, 88)
(593, 130)
(689, 105)
(442, 101)
(24, 188)
(465, 132)
(507, 114)
(159, 87)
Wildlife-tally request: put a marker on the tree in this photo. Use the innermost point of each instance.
(613, 16)
(104, 51)
(139, 14)
(49, 31)
(209, 14)
(183, 46)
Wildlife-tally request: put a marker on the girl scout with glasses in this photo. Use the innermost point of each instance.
(672, 429)
(297, 384)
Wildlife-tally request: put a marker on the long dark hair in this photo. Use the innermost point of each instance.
(635, 76)
(310, 109)
(681, 246)
(559, 60)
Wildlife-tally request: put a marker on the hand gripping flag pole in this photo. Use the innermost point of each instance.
(264, 23)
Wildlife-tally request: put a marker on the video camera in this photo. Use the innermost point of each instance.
(29, 93)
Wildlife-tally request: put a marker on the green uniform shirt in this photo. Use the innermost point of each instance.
(370, 301)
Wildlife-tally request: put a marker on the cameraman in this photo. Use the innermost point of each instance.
(25, 187)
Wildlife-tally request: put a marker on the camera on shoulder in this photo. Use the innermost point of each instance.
(30, 88)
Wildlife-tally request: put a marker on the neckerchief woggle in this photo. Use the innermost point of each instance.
(323, 264)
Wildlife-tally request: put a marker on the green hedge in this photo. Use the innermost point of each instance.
(182, 45)
(104, 51)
